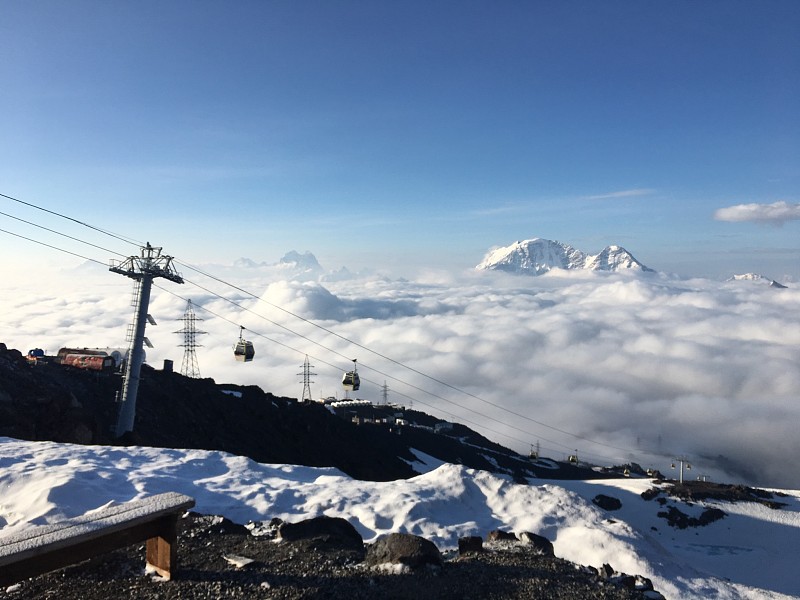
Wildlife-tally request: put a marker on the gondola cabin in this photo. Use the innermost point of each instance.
(350, 380)
(243, 349)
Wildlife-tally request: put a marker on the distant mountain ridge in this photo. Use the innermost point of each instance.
(538, 256)
(757, 278)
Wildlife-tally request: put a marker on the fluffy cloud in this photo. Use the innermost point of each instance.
(620, 367)
(777, 213)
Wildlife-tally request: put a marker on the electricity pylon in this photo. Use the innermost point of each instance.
(307, 375)
(142, 269)
(189, 367)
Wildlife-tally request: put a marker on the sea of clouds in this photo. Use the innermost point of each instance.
(617, 367)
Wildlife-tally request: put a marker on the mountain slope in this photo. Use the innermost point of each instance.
(64, 404)
(538, 256)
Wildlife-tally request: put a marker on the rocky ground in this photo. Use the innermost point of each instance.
(314, 568)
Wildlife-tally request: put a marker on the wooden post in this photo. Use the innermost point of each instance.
(162, 549)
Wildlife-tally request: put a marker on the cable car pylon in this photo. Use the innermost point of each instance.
(142, 269)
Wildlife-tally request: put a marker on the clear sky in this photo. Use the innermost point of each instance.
(396, 135)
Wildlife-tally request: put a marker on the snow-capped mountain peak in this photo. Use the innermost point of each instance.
(614, 258)
(757, 278)
(305, 261)
(534, 256)
(538, 256)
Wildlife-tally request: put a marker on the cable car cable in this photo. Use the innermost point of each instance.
(63, 234)
(58, 214)
(54, 247)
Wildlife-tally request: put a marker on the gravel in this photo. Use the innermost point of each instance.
(210, 548)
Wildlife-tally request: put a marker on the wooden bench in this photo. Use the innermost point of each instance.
(46, 548)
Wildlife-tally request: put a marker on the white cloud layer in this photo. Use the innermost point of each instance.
(649, 367)
(777, 213)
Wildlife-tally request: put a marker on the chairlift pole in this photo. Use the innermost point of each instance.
(683, 461)
(142, 269)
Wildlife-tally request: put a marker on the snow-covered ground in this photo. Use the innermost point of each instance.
(751, 553)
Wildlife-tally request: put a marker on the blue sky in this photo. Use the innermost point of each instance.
(400, 135)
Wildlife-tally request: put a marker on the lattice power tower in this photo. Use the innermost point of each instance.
(307, 375)
(189, 367)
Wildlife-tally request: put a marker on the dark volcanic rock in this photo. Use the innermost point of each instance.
(679, 519)
(651, 493)
(704, 490)
(607, 502)
(541, 543)
(332, 532)
(497, 535)
(472, 543)
(405, 549)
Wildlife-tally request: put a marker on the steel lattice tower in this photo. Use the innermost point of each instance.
(189, 367)
(307, 375)
(385, 392)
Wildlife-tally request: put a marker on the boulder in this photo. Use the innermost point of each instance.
(326, 531)
(497, 535)
(472, 543)
(643, 583)
(650, 494)
(404, 549)
(607, 502)
(541, 543)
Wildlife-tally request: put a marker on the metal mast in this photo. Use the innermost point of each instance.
(142, 269)
(385, 392)
(683, 461)
(189, 367)
(307, 375)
